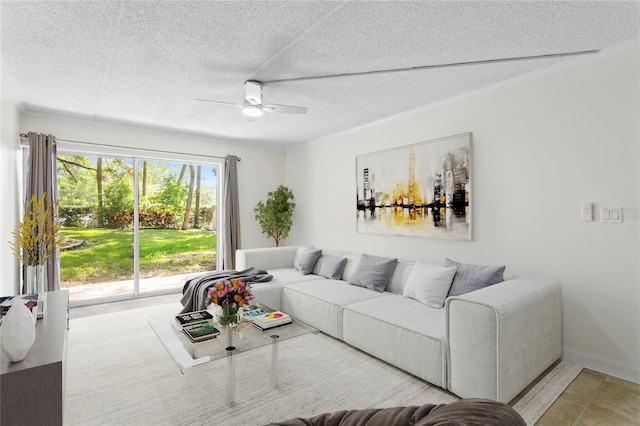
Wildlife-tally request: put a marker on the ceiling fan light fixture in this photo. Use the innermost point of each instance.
(252, 111)
(253, 107)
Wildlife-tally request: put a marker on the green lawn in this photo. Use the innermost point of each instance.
(106, 254)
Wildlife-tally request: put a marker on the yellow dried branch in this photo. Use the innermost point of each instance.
(39, 232)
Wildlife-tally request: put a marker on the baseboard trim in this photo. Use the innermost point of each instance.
(612, 368)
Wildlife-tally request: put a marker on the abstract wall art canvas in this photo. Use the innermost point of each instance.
(421, 190)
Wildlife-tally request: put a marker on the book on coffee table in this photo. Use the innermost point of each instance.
(271, 320)
(257, 327)
(199, 349)
(200, 331)
(250, 312)
(196, 317)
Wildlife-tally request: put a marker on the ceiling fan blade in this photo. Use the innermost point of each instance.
(288, 109)
(219, 103)
(435, 66)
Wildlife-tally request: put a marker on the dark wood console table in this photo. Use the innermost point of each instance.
(32, 390)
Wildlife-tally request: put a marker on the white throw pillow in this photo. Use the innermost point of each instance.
(429, 284)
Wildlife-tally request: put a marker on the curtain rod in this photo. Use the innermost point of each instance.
(24, 136)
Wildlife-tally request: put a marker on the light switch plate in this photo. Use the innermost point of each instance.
(587, 212)
(611, 215)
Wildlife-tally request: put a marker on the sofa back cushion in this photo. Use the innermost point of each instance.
(267, 258)
(400, 276)
(351, 265)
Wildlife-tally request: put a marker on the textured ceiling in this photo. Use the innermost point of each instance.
(144, 63)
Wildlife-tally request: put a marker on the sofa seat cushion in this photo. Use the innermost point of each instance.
(414, 334)
(286, 276)
(270, 293)
(319, 303)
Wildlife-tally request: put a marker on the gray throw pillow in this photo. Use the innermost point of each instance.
(330, 266)
(306, 259)
(373, 272)
(473, 277)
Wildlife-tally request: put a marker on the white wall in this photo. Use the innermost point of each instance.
(10, 169)
(541, 147)
(260, 170)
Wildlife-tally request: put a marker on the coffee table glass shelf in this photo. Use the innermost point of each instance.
(245, 338)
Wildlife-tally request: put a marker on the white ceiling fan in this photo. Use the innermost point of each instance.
(253, 106)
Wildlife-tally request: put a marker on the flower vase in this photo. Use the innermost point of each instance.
(36, 279)
(18, 332)
(228, 320)
(229, 331)
(228, 316)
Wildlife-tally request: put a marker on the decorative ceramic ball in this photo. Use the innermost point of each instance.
(18, 332)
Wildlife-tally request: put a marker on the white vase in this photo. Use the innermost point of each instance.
(36, 279)
(18, 332)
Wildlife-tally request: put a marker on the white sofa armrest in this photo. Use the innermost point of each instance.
(502, 337)
(266, 258)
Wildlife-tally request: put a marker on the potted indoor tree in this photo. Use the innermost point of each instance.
(275, 214)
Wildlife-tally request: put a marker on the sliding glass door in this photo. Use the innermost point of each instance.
(96, 199)
(177, 222)
(134, 226)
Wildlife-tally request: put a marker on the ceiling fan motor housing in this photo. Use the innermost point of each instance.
(253, 92)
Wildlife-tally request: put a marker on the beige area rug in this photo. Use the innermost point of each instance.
(118, 373)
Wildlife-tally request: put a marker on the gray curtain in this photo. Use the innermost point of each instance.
(231, 218)
(41, 178)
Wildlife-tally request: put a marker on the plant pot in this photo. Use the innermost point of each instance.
(36, 279)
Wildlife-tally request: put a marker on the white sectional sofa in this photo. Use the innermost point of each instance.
(488, 343)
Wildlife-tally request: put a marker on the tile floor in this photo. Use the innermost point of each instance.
(592, 399)
(595, 398)
(87, 292)
(105, 308)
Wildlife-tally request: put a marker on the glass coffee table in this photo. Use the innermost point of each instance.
(245, 337)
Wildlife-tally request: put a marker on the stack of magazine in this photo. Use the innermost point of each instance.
(271, 320)
(193, 318)
(250, 312)
(29, 300)
(201, 332)
(197, 326)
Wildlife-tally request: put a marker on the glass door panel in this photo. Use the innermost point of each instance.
(96, 204)
(177, 222)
